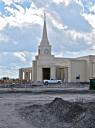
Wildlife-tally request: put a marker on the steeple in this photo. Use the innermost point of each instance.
(44, 48)
(44, 40)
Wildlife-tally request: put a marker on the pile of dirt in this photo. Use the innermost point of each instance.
(60, 114)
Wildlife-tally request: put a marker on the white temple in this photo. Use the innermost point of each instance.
(47, 66)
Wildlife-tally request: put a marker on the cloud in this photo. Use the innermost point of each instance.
(16, 58)
(65, 2)
(71, 16)
(19, 16)
(9, 72)
(21, 39)
(10, 62)
(70, 26)
(56, 21)
(91, 41)
(2, 23)
(3, 38)
(20, 55)
(92, 9)
(7, 2)
(71, 41)
(88, 11)
(91, 19)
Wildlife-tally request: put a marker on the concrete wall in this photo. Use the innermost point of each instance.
(90, 65)
(77, 69)
(34, 70)
(93, 69)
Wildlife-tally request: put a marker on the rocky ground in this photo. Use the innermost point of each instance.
(60, 114)
(27, 110)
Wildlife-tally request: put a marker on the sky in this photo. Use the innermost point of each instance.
(70, 28)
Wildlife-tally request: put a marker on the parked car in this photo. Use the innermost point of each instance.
(52, 81)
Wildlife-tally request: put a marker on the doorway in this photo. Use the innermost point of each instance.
(46, 73)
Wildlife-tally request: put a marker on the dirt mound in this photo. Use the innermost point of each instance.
(60, 114)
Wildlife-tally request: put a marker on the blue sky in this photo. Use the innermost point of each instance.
(70, 26)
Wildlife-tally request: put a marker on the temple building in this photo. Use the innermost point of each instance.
(47, 66)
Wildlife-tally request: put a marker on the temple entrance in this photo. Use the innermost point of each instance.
(46, 73)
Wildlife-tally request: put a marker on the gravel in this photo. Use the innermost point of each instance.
(59, 114)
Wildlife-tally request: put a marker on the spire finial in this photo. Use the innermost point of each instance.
(44, 16)
(44, 36)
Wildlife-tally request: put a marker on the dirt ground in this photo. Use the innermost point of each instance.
(47, 110)
(60, 114)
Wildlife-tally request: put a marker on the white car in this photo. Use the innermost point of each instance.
(52, 81)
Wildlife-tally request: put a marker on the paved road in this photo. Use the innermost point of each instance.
(47, 90)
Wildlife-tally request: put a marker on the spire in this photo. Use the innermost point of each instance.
(44, 40)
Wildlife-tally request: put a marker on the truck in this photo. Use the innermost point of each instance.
(52, 81)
